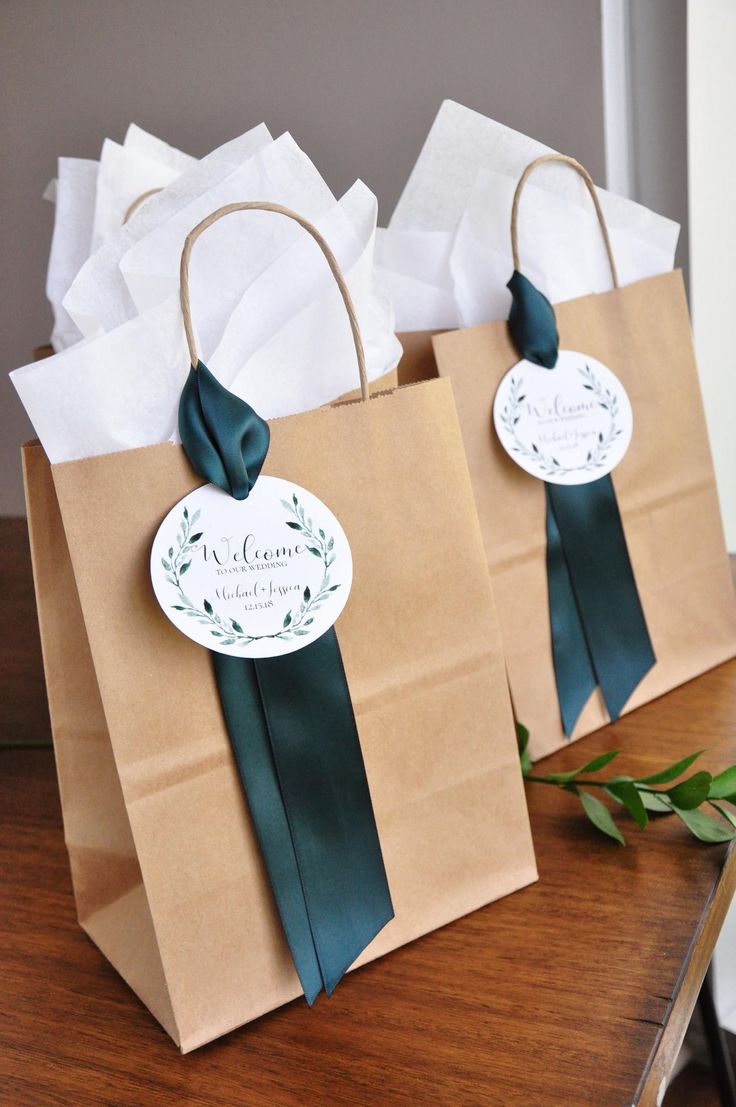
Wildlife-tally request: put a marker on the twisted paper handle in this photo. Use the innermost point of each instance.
(588, 181)
(138, 201)
(278, 209)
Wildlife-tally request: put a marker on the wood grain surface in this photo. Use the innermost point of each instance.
(574, 992)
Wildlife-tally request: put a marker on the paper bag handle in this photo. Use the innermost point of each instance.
(138, 201)
(279, 209)
(587, 180)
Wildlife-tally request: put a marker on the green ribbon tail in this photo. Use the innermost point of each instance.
(598, 607)
(319, 764)
(574, 673)
(246, 725)
(599, 633)
(292, 729)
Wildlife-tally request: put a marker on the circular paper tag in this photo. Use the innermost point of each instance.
(567, 425)
(258, 577)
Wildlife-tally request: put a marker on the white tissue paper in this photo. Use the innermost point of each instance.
(462, 186)
(98, 299)
(125, 176)
(75, 191)
(270, 321)
(92, 199)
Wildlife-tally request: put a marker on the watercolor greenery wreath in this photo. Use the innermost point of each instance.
(297, 620)
(549, 464)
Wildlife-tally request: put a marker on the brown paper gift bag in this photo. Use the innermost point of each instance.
(167, 874)
(665, 488)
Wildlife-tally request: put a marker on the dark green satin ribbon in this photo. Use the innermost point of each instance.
(599, 633)
(292, 728)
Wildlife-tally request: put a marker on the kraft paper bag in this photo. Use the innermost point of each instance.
(168, 877)
(665, 486)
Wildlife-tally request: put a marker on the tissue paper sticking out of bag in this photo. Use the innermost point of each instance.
(125, 176)
(98, 299)
(452, 221)
(75, 191)
(270, 321)
(92, 199)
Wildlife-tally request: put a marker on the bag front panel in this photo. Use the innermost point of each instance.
(665, 487)
(424, 664)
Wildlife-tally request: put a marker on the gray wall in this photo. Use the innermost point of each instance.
(658, 32)
(357, 82)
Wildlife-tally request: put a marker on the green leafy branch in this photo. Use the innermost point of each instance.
(640, 796)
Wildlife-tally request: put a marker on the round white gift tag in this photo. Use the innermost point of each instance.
(258, 577)
(567, 425)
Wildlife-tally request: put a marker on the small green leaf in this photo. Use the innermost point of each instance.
(307, 594)
(208, 607)
(287, 618)
(321, 533)
(728, 815)
(165, 564)
(600, 816)
(294, 526)
(296, 502)
(625, 791)
(703, 827)
(314, 550)
(186, 513)
(178, 607)
(171, 551)
(591, 767)
(672, 772)
(600, 762)
(196, 537)
(522, 738)
(300, 632)
(724, 784)
(333, 588)
(184, 568)
(236, 626)
(331, 543)
(655, 804)
(690, 793)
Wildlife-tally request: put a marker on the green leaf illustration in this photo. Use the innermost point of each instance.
(287, 619)
(307, 594)
(184, 568)
(294, 526)
(208, 607)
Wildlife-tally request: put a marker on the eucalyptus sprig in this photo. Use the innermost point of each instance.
(641, 798)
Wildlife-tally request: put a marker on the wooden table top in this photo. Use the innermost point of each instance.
(574, 992)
